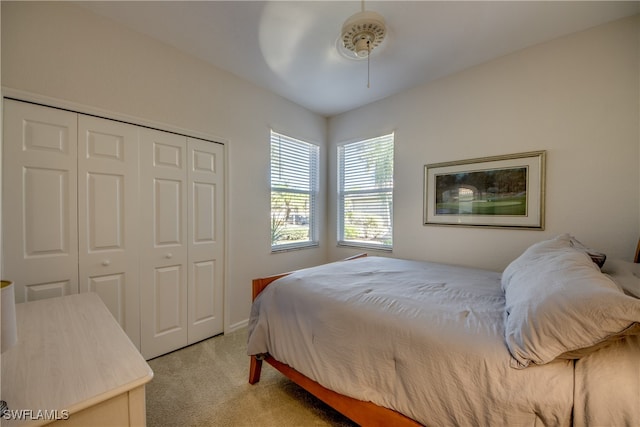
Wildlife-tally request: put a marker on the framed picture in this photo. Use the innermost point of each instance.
(500, 191)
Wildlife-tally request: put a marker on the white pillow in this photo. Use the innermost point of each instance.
(626, 274)
(558, 303)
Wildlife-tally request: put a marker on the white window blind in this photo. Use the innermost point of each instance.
(294, 188)
(365, 193)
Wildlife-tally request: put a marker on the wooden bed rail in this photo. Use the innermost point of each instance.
(258, 285)
(363, 413)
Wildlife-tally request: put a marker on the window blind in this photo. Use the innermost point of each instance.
(365, 192)
(294, 187)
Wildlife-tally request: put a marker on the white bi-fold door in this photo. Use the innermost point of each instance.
(133, 214)
(181, 257)
(108, 217)
(40, 234)
(205, 163)
(70, 208)
(163, 243)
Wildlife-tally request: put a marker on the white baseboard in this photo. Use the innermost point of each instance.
(236, 326)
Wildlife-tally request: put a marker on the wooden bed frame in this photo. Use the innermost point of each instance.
(361, 412)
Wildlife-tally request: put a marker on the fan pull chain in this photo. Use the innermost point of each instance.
(368, 63)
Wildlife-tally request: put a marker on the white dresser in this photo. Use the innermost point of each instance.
(74, 361)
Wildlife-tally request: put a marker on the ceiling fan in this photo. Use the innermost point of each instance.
(361, 33)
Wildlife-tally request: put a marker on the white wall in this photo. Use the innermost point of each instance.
(62, 51)
(576, 97)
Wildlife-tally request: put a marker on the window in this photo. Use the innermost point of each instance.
(294, 188)
(365, 193)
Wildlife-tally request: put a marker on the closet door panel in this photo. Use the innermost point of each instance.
(164, 248)
(206, 238)
(108, 217)
(111, 289)
(40, 200)
(168, 212)
(167, 288)
(46, 231)
(47, 289)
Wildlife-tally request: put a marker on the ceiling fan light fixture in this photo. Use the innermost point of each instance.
(362, 47)
(363, 32)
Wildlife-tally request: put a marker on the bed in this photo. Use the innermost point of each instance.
(552, 340)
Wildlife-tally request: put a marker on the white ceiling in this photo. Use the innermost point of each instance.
(289, 47)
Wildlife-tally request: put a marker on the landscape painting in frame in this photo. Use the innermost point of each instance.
(500, 191)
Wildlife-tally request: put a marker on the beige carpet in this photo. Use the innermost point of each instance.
(206, 385)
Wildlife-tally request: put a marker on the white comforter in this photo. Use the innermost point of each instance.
(424, 339)
(607, 391)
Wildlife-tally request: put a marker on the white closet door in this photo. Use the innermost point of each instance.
(40, 201)
(163, 244)
(108, 217)
(206, 239)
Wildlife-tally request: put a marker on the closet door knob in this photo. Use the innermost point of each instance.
(106, 262)
(169, 255)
